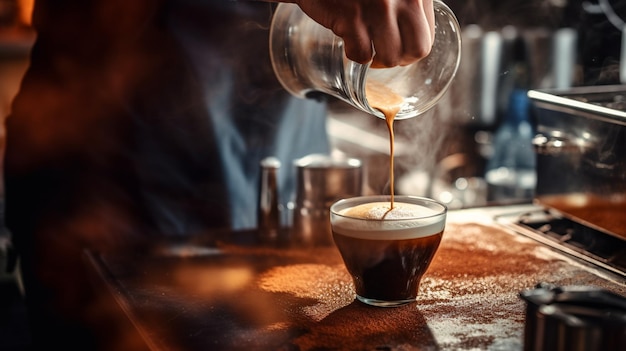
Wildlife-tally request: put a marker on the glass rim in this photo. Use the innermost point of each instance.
(387, 198)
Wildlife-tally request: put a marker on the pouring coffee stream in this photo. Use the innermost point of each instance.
(309, 59)
(389, 103)
(381, 98)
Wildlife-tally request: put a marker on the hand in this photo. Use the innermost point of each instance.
(388, 32)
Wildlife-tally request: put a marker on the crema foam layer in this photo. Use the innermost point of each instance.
(404, 221)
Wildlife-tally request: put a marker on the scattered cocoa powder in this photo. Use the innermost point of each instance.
(303, 299)
(468, 298)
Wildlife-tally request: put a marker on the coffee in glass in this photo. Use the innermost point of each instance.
(387, 250)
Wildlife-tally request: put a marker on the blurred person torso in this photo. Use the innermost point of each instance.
(173, 101)
(138, 118)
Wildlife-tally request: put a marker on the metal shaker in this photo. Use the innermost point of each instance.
(320, 181)
(269, 212)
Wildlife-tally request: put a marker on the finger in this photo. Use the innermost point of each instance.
(342, 18)
(387, 42)
(358, 44)
(386, 36)
(417, 31)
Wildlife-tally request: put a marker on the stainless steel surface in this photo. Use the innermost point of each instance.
(602, 252)
(602, 103)
(581, 143)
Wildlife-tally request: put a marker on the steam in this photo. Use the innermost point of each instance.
(477, 96)
(423, 140)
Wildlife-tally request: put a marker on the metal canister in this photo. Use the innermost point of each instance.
(320, 181)
(573, 318)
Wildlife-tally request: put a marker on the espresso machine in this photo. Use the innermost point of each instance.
(581, 175)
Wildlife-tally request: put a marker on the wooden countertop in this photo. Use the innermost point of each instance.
(247, 297)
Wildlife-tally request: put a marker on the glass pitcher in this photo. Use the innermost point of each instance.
(308, 58)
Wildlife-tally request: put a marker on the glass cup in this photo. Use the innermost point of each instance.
(309, 59)
(387, 257)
